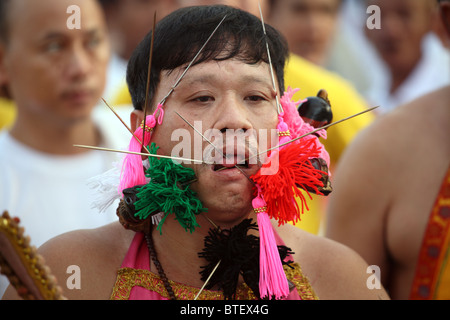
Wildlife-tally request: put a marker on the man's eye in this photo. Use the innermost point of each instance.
(93, 42)
(204, 99)
(53, 46)
(255, 98)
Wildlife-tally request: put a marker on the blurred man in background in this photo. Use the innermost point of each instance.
(415, 58)
(56, 76)
(308, 25)
(128, 22)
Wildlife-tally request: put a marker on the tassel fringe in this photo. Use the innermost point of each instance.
(272, 279)
(295, 172)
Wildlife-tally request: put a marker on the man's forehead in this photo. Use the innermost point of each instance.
(213, 71)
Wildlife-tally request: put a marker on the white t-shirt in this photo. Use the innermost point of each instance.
(116, 79)
(50, 194)
(430, 74)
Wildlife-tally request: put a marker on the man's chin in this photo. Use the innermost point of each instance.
(228, 205)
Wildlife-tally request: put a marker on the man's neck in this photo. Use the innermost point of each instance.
(178, 250)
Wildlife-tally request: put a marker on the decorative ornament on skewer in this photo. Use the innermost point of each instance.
(314, 131)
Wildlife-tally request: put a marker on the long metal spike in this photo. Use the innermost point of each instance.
(148, 79)
(123, 122)
(207, 280)
(192, 62)
(277, 97)
(139, 154)
(201, 134)
(221, 153)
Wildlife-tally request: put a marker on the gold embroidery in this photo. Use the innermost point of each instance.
(284, 133)
(127, 278)
(147, 128)
(259, 210)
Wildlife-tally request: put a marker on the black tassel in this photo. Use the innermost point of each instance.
(234, 248)
(238, 253)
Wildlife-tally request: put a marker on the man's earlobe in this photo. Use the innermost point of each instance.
(136, 118)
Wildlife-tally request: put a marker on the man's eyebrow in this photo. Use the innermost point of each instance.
(94, 31)
(51, 35)
(256, 79)
(190, 80)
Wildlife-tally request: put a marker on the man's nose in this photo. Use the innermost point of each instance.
(80, 63)
(232, 115)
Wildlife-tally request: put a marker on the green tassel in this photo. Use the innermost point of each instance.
(163, 194)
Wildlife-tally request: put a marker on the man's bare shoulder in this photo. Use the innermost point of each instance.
(426, 112)
(92, 255)
(334, 270)
(97, 254)
(111, 237)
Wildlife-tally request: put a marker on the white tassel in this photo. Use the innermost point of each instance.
(105, 188)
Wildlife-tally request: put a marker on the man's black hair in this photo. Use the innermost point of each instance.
(180, 35)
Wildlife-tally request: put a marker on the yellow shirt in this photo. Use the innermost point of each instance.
(345, 101)
(7, 113)
(122, 97)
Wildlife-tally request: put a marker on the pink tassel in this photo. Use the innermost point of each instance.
(132, 168)
(272, 279)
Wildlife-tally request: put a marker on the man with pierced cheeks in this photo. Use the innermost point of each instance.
(229, 87)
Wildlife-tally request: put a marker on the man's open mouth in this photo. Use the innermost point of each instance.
(244, 164)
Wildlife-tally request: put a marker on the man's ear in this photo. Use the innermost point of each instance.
(136, 118)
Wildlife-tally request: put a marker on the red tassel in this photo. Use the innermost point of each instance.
(295, 171)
